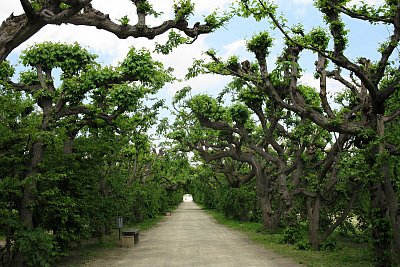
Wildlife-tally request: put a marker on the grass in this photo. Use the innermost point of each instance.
(345, 254)
(108, 247)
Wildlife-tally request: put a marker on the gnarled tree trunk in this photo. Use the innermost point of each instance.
(389, 193)
(263, 190)
(314, 214)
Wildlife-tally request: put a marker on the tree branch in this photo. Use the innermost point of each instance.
(17, 29)
(102, 21)
(342, 217)
(355, 15)
(29, 11)
(24, 87)
(387, 52)
(392, 116)
(321, 69)
(336, 75)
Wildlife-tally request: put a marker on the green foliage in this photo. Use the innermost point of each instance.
(70, 58)
(202, 188)
(239, 113)
(346, 254)
(215, 20)
(36, 4)
(237, 203)
(340, 39)
(6, 72)
(174, 40)
(292, 235)
(148, 202)
(206, 106)
(249, 96)
(140, 65)
(317, 38)
(232, 62)
(208, 125)
(183, 9)
(310, 96)
(64, 6)
(9, 217)
(78, 194)
(29, 77)
(303, 244)
(329, 244)
(259, 44)
(257, 9)
(181, 94)
(124, 20)
(296, 236)
(146, 7)
(37, 246)
(196, 69)
(373, 11)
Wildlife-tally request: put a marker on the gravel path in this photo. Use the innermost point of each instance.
(190, 237)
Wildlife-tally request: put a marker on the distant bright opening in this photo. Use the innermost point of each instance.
(187, 198)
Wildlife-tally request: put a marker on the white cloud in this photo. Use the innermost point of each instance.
(10, 7)
(233, 48)
(302, 2)
(210, 5)
(290, 3)
(301, 12)
(208, 84)
(332, 86)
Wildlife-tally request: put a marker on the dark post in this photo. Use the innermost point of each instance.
(120, 224)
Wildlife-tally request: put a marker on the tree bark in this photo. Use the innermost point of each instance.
(68, 145)
(270, 219)
(28, 195)
(380, 225)
(390, 194)
(26, 214)
(314, 222)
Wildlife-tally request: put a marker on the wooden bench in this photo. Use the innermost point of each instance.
(130, 237)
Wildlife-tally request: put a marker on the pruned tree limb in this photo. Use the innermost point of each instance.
(17, 29)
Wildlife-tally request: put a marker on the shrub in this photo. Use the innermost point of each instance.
(303, 244)
(292, 235)
(238, 203)
(328, 245)
(146, 201)
(37, 247)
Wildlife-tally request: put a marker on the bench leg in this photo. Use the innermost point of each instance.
(136, 238)
(127, 241)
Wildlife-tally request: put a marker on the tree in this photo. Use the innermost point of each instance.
(89, 95)
(38, 13)
(281, 150)
(369, 88)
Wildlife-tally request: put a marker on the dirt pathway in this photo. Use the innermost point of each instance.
(190, 237)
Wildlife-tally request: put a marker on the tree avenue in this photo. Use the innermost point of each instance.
(75, 150)
(74, 147)
(363, 125)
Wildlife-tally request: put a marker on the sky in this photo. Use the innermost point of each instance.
(227, 41)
